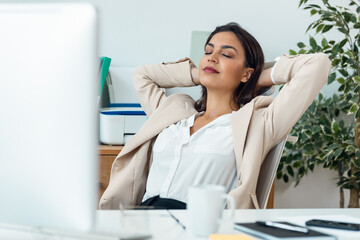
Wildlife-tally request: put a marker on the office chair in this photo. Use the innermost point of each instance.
(268, 171)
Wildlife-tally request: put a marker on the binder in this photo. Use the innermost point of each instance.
(104, 94)
(104, 69)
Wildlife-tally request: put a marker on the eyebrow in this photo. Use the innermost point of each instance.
(223, 46)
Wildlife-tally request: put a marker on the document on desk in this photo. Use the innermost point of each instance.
(341, 234)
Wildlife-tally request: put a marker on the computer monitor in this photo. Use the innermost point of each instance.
(48, 119)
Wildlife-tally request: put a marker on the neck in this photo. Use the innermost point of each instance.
(218, 104)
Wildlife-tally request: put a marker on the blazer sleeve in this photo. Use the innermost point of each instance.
(150, 81)
(303, 77)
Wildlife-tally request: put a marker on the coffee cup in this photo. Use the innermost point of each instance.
(205, 207)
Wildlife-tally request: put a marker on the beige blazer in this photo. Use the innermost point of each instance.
(257, 126)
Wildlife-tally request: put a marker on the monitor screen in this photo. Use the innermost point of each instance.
(48, 102)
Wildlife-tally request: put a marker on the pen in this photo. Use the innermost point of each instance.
(176, 219)
(283, 226)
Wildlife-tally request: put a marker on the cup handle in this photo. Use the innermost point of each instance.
(231, 200)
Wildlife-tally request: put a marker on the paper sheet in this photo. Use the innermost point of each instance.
(230, 237)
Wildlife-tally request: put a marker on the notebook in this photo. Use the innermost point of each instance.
(270, 233)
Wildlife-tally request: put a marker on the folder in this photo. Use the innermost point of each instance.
(104, 69)
(104, 95)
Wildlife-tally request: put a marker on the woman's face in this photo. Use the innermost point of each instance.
(223, 65)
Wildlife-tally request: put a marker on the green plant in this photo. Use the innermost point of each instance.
(329, 131)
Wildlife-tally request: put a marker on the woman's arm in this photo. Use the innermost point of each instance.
(149, 81)
(265, 79)
(303, 76)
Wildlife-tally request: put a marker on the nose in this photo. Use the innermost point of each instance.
(212, 58)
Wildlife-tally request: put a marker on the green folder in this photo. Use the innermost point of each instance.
(104, 69)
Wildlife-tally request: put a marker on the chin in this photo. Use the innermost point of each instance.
(206, 79)
(209, 85)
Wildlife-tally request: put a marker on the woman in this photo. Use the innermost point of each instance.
(223, 137)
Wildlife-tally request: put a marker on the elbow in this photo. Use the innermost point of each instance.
(138, 74)
(324, 65)
(324, 62)
(139, 70)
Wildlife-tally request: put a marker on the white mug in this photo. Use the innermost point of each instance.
(205, 207)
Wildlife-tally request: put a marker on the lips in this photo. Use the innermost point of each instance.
(209, 69)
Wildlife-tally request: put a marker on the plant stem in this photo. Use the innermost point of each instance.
(354, 198)
(354, 194)
(342, 197)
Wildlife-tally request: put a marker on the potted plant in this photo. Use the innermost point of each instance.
(329, 131)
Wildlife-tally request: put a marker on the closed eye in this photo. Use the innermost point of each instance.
(225, 55)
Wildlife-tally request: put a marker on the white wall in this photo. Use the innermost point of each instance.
(139, 32)
(142, 31)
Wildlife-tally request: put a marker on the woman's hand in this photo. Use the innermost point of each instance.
(265, 79)
(195, 75)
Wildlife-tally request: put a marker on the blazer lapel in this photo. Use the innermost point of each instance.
(159, 120)
(240, 124)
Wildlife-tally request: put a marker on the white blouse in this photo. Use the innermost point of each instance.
(181, 160)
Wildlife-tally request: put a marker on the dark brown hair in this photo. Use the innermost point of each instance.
(245, 92)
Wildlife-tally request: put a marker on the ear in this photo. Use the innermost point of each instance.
(247, 74)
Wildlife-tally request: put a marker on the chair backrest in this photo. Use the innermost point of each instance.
(268, 172)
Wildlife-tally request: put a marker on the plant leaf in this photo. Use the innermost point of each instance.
(357, 25)
(353, 108)
(338, 152)
(357, 115)
(343, 72)
(313, 43)
(356, 162)
(290, 170)
(343, 42)
(341, 88)
(357, 153)
(285, 178)
(319, 28)
(353, 18)
(327, 28)
(313, 12)
(356, 49)
(356, 79)
(342, 30)
(334, 126)
(341, 80)
(292, 52)
(301, 45)
(302, 51)
(314, 6)
(350, 149)
(309, 27)
(332, 77)
(324, 43)
(335, 62)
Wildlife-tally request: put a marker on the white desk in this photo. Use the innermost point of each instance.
(163, 226)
